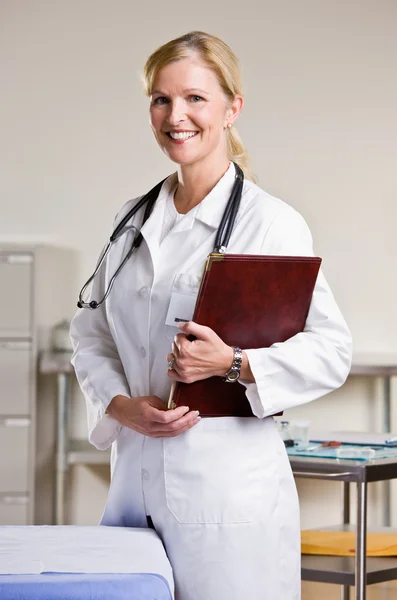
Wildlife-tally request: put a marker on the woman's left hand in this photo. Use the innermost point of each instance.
(206, 356)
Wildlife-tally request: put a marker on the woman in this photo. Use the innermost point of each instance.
(219, 491)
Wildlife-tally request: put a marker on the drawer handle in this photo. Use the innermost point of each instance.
(14, 499)
(15, 345)
(16, 259)
(15, 422)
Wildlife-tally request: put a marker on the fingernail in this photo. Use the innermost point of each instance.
(197, 413)
(185, 409)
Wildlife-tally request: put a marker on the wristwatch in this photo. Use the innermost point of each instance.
(234, 373)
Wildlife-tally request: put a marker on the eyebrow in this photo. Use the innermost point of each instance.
(184, 91)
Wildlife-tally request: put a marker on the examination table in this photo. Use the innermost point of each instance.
(83, 563)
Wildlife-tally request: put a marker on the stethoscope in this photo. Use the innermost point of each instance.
(221, 242)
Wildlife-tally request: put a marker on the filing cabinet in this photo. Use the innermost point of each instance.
(35, 293)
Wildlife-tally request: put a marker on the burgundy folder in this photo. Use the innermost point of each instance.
(250, 301)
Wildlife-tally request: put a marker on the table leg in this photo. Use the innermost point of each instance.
(361, 541)
(61, 463)
(345, 591)
(346, 502)
(386, 429)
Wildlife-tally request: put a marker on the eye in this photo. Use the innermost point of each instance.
(196, 98)
(160, 100)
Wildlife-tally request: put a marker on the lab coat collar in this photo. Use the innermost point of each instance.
(209, 211)
(212, 207)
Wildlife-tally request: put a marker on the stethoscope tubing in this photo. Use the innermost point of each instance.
(220, 246)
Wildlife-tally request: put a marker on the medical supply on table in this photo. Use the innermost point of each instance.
(295, 433)
(361, 452)
(355, 437)
(343, 451)
(222, 238)
(322, 445)
(300, 433)
(283, 427)
(284, 430)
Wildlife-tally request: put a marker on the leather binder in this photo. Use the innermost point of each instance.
(250, 301)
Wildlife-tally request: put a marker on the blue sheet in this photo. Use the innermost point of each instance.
(84, 586)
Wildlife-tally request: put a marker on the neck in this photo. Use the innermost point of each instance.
(196, 181)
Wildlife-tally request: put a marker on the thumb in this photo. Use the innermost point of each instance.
(191, 328)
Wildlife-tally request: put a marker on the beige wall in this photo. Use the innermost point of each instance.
(319, 122)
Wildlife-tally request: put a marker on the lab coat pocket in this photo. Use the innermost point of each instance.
(217, 471)
(184, 292)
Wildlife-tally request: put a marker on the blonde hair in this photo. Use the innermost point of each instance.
(220, 58)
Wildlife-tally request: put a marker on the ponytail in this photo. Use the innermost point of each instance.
(238, 154)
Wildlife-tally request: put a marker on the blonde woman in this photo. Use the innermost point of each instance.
(219, 491)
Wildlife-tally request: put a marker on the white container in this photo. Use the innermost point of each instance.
(300, 433)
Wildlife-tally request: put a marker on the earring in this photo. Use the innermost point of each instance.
(228, 126)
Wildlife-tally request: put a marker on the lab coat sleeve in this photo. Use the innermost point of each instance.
(98, 367)
(312, 363)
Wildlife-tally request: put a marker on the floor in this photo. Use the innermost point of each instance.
(324, 591)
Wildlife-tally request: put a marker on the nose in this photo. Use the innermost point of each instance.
(176, 112)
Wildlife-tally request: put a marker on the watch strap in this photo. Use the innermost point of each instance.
(234, 372)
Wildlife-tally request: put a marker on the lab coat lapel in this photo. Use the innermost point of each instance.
(151, 230)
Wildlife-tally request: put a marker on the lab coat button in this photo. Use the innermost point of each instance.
(145, 474)
(143, 292)
(143, 351)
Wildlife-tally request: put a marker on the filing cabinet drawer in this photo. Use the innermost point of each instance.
(14, 455)
(15, 374)
(13, 509)
(16, 294)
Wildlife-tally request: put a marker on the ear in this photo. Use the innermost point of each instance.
(234, 109)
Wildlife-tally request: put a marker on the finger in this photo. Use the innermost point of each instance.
(171, 360)
(186, 427)
(183, 344)
(167, 416)
(177, 427)
(201, 332)
(175, 376)
(176, 349)
(178, 341)
(176, 424)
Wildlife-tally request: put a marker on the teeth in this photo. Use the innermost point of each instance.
(183, 135)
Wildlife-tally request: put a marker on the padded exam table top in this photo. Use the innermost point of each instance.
(83, 563)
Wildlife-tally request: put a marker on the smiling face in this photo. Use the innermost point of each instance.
(189, 112)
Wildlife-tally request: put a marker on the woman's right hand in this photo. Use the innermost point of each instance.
(148, 415)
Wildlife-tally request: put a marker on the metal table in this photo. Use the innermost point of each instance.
(69, 452)
(358, 571)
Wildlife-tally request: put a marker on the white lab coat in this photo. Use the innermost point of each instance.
(221, 495)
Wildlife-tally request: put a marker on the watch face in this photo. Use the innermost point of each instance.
(233, 375)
